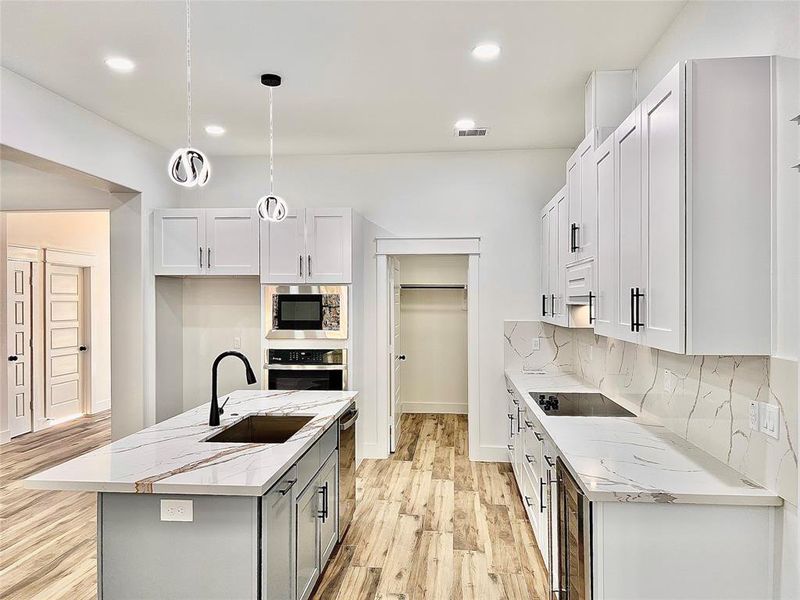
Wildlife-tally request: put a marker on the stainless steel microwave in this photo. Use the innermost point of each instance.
(305, 312)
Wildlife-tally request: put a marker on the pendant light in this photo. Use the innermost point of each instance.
(271, 207)
(189, 167)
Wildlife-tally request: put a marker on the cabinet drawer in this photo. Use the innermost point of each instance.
(328, 442)
(312, 460)
(580, 280)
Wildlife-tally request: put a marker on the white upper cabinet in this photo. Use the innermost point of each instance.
(582, 220)
(683, 263)
(283, 248)
(328, 245)
(310, 246)
(179, 240)
(189, 241)
(231, 241)
(544, 270)
(554, 256)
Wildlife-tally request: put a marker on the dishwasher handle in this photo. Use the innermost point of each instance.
(351, 416)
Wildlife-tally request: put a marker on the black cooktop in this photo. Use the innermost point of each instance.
(578, 405)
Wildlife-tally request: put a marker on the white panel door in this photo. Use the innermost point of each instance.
(283, 249)
(628, 207)
(20, 358)
(232, 241)
(395, 358)
(329, 245)
(605, 303)
(63, 341)
(562, 242)
(544, 284)
(179, 241)
(663, 205)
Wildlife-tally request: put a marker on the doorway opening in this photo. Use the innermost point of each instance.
(427, 308)
(58, 317)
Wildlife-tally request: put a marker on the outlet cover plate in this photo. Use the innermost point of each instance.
(177, 510)
(535, 344)
(770, 419)
(754, 418)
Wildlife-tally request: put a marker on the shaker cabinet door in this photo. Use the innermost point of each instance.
(180, 243)
(283, 248)
(605, 304)
(329, 245)
(232, 241)
(329, 495)
(278, 544)
(308, 559)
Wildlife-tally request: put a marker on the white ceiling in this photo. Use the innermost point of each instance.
(359, 77)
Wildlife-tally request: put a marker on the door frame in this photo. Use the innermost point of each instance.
(88, 264)
(399, 246)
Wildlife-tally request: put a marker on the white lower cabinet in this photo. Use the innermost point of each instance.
(327, 484)
(277, 507)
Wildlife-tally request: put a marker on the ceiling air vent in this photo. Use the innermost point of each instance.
(476, 132)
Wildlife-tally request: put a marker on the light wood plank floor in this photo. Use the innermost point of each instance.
(429, 525)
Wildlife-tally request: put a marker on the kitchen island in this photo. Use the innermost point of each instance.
(183, 517)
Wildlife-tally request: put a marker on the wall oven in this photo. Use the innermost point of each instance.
(306, 312)
(307, 369)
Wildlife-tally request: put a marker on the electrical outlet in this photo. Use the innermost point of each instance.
(237, 343)
(754, 422)
(770, 419)
(177, 510)
(535, 344)
(670, 381)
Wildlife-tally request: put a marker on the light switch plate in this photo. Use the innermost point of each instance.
(237, 343)
(770, 419)
(177, 510)
(535, 344)
(754, 410)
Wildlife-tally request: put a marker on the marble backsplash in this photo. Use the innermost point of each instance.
(704, 399)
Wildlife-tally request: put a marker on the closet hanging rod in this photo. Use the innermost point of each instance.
(432, 286)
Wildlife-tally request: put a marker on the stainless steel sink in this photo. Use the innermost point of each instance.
(261, 429)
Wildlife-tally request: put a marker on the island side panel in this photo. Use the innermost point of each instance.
(215, 556)
(643, 551)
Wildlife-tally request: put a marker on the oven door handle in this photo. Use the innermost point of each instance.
(294, 367)
(350, 422)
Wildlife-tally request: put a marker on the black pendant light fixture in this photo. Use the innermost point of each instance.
(271, 207)
(189, 167)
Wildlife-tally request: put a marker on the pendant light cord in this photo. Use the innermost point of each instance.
(188, 75)
(271, 160)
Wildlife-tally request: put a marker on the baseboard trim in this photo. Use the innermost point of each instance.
(5, 436)
(491, 454)
(434, 407)
(372, 451)
(100, 407)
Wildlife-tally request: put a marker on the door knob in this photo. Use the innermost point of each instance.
(401, 357)
(13, 358)
(82, 348)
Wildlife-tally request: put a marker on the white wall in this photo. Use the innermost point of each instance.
(86, 231)
(495, 195)
(39, 122)
(433, 336)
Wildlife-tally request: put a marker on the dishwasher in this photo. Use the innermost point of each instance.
(347, 469)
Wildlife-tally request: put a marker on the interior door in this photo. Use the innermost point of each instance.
(232, 241)
(283, 249)
(179, 242)
(395, 358)
(63, 341)
(20, 360)
(628, 207)
(328, 245)
(605, 262)
(663, 202)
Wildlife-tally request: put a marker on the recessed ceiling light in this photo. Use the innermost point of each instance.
(486, 51)
(120, 64)
(465, 124)
(216, 130)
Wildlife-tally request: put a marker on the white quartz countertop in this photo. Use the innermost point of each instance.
(172, 458)
(624, 459)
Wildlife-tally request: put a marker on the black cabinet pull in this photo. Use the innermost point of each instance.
(289, 485)
(541, 495)
(552, 305)
(539, 436)
(544, 305)
(529, 501)
(573, 237)
(636, 298)
(549, 460)
(591, 308)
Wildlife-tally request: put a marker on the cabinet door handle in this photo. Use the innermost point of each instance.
(572, 246)
(301, 265)
(633, 320)
(529, 458)
(309, 265)
(541, 495)
(510, 447)
(208, 257)
(289, 486)
(549, 460)
(591, 308)
(201, 257)
(323, 513)
(636, 295)
(528, 424)
(544, 305)
(529, 501)
(552, 305)
(538, 435)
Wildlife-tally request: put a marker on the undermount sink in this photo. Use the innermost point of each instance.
(261, 429)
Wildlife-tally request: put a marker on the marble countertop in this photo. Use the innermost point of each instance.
(625, 459)
(172, 458)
